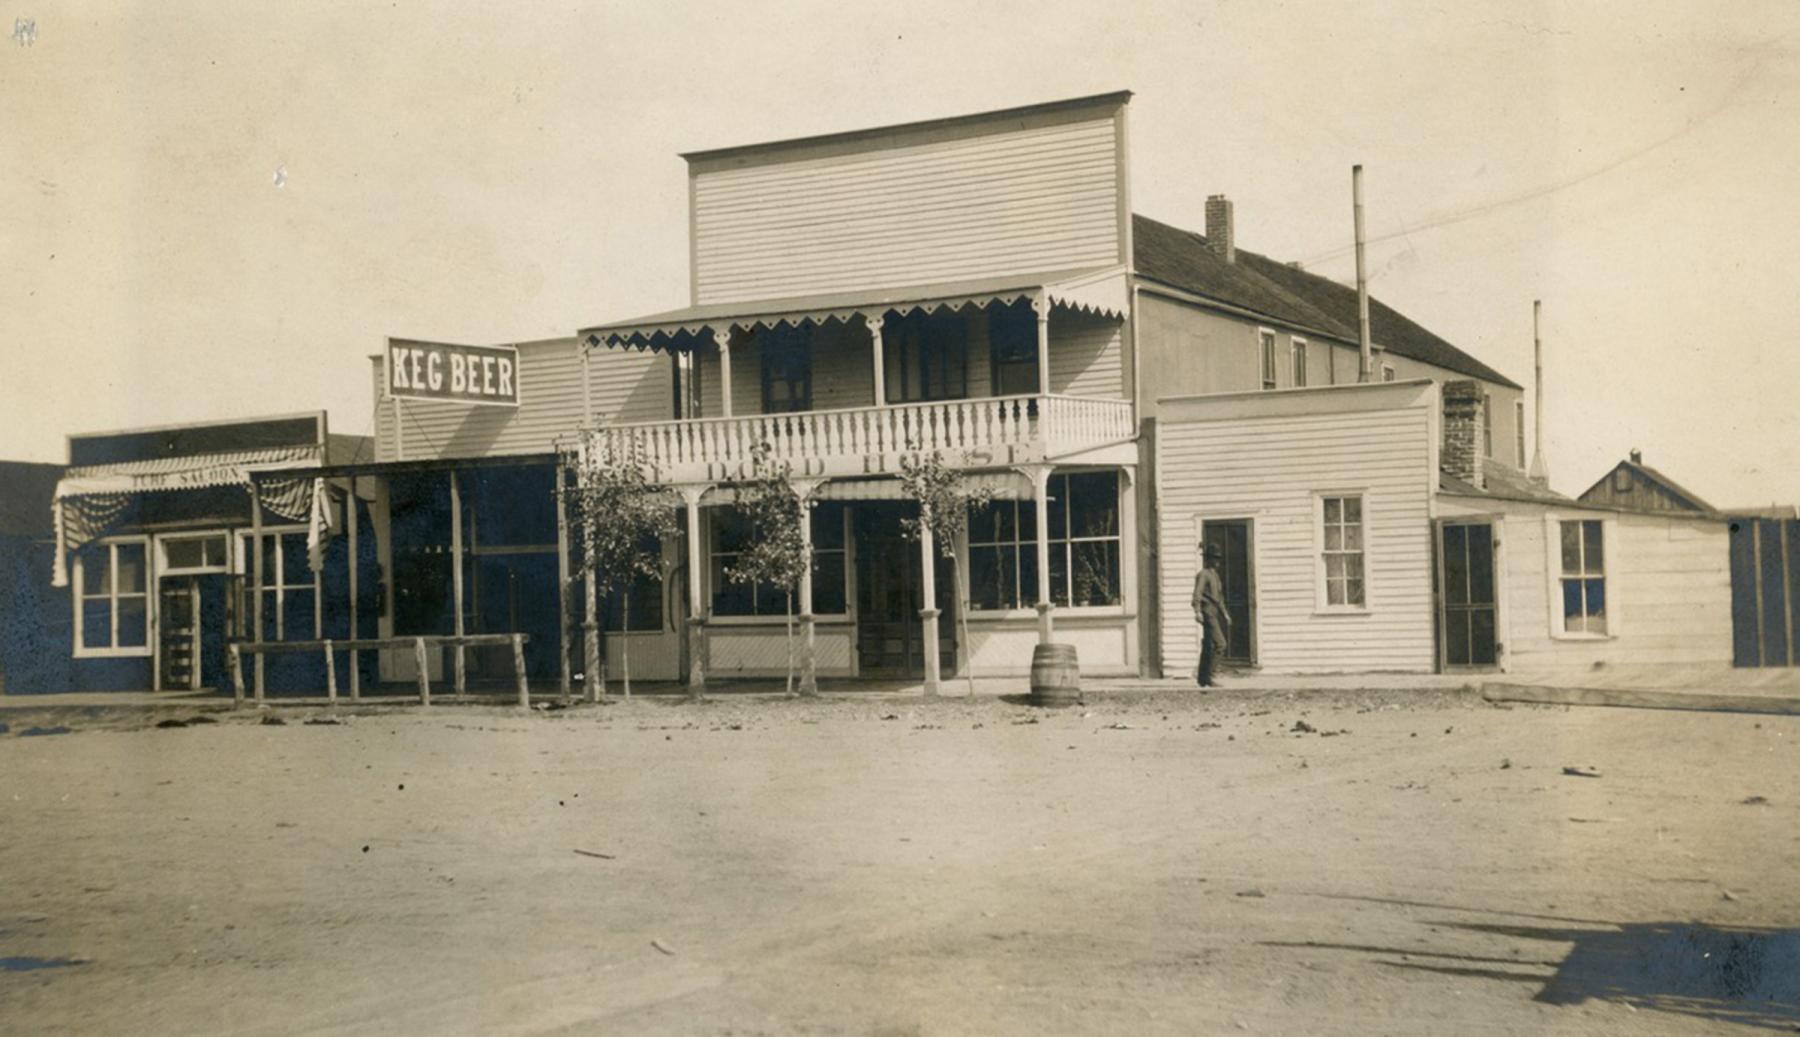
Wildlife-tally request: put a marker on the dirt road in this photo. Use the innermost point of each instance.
(1412, 864)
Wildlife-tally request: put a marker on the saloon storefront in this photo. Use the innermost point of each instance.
(159, 533)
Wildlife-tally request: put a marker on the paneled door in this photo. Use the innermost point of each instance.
(1468, 622)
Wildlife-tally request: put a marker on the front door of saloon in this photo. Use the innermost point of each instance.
(178, 620)
(890, 593)
(1468, 621)
(1234, 540)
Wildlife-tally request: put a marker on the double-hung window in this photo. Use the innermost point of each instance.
(1583, 576)
(112, 599)
(1299, 358)
(1012, 349)
(786, 370)
(1343, 551)
(1267, 339)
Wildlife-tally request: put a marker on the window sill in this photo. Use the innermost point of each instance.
(1340, 610)
(1058, 613)
(836, 619)
(1563, 635)
(112, 653)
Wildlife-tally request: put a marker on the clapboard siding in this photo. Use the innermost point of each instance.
(628, 385)
(1223, 460)
(1022, 197)
(1086, 355)
(1668, 588)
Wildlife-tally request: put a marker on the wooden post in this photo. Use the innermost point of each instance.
(350, 519)
(1365, 367)
(929, 614)
(874, 324)
(237, 676)
(564, 590)
(330, 675)
(1040, 494)
(424, 671)
(722, 336)
(696, 604)
(518, 646)
(809, 657)
(256, 582)
(456, 582)
(1040, 305)
(590, 637)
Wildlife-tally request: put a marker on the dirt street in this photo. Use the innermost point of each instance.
(1413, 863)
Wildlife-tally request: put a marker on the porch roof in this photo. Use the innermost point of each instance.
(1099, 290)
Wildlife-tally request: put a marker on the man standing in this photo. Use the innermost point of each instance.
(1209, 612)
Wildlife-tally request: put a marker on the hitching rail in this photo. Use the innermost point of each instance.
(419, 646)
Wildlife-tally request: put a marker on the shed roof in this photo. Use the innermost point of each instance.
(1289, 295)
(1651, 475)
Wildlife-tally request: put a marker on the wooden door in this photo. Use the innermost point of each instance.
(1234, 539)
(178, 620)
(1469, 613)
(890, 594)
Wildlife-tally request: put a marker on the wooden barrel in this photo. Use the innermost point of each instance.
(1055, 676)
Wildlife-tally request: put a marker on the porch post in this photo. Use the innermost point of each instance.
(722, 336)
(929, 614)
(874, 323)
(256, 582)
(1040, 305)
(809, 655)
(696, 621)
(350, 519)
(456, 580)
(563, 588)
(1039, 474)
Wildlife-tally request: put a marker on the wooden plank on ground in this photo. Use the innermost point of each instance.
(1639, 699)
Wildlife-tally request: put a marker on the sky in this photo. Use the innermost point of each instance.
(213, 210)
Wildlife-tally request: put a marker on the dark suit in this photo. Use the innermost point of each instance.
(1209, 612)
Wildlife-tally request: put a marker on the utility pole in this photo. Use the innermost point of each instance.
(1540, 472)
(1365, 371)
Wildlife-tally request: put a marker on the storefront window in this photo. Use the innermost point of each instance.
(731, 536)
(288, 586)
(1003, 555)
(646, 599)
(1084, 539)
(112, 603)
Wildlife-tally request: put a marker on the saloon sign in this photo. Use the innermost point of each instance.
(463, 374)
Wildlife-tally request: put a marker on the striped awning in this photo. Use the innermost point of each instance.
(179, 473)
(1097, 290)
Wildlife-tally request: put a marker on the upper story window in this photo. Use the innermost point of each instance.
(1299, 359)
(1519, 430)
(1342, 551)
(686, 384)
(786, 370)
(928, 357)
(1267, 338)
(1387, 372)
(1583, 577)
(1487, 425)
(1012, 350)
(112, 599)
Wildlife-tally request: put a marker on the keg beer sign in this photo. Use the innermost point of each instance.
(460, 374)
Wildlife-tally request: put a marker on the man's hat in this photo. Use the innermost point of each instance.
(1212, 552)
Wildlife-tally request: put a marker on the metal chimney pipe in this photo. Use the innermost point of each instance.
(1365, 371)
(1539, 471)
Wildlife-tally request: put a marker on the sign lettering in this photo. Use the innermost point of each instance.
(486, 375)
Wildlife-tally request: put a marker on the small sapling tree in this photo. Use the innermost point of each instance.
(776, 554)
(621, 518)
(944, 497)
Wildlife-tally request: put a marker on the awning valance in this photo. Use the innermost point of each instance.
(1099, 290)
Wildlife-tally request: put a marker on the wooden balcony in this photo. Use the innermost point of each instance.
(993, 432)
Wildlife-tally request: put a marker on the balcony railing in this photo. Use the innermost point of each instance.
(868, 440)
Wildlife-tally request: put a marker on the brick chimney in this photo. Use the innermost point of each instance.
(1219, 236)
(1461, 454)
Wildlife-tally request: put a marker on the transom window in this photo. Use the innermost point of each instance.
(1343, 551)
(1583, 577)
(112, 599)
(181, 554)
(1268, 359)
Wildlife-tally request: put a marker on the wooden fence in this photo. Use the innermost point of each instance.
(419, 645)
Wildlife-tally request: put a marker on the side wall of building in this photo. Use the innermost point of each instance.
(1668, 587)
(1270, 458)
